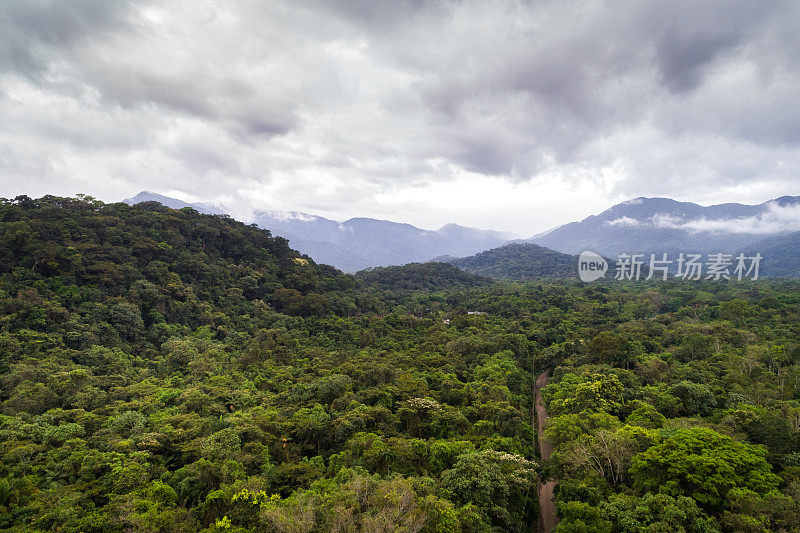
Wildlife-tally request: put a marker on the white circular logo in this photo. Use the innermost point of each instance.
(591, 266)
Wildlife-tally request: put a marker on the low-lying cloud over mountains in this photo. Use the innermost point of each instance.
(775, 218)
(664, 225)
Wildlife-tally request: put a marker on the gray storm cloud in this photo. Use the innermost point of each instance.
(238, 100)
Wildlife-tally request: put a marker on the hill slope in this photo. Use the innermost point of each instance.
(781, 255)
(519, 262)
(430, 276)
(181, 257)
(164, 370)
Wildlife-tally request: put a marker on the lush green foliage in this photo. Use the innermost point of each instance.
(168, 371)
(520, 262)
(419, 276)
(678, 410)
(164, 370)
(703, 464)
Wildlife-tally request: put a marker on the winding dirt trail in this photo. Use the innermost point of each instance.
(547, 509)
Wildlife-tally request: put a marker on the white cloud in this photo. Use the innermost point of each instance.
(775, 219)
(624, 221)
(291, 215)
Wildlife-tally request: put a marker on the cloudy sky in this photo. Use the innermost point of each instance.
(507, 115)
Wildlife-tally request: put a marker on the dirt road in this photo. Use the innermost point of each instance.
(547, 510)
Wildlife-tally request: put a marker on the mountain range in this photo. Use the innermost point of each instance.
(665, 225)
(641, 225)
(357, 243)
(661, 225)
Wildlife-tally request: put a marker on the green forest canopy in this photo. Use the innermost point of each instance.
(163, 370)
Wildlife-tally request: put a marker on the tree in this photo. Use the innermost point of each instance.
(705, 465)
(499, 484)
(608, 453)
(571, 426)
(311, 425)
(580, 517)
(127, 318)
(696, 398)
(612, 349)
(656, 512)
(595, 392)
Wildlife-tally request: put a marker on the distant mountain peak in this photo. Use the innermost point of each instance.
(665, 225)
(149, 196)
(784, 201)
(450, 225)
(174, 203)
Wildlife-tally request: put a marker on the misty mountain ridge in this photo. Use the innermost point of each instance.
(665, 225)
(360, 242)
(147, 196)
(641, 225)
(653, 225)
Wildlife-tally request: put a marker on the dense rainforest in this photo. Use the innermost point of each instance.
(163, 370)
(519, 261)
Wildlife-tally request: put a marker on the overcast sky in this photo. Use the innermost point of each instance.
(505, 115)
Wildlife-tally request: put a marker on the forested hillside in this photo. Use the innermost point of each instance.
(781, 255)
(164, 370)
(419, 276)
(520, 261)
